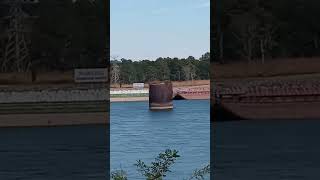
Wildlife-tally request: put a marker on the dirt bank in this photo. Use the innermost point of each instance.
(273, 67)
(129, 99)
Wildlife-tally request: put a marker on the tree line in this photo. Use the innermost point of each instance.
(126, 71)
(61, 35)
(257, 30)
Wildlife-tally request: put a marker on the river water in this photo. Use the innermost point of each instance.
(267, 150)
(54, 153)
(137, 133)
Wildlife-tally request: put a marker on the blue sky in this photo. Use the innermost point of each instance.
(148, 29)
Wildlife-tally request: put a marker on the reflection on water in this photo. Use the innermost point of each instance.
(57, 153)
(137, 133)
(267, 150)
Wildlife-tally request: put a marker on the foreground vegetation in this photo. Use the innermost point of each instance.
(158, 169)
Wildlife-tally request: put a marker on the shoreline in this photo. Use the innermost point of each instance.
(50, 106)
(144, 99)
(182, 92)
(129, 99)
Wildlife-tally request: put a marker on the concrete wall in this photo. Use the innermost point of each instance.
(68, 95)
(130, 91)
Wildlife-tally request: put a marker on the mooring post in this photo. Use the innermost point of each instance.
(160, 95)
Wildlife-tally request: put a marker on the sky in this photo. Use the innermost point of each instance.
(148, 29)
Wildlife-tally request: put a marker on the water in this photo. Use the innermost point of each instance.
(56, 153)
(267, 150)
(137, 133)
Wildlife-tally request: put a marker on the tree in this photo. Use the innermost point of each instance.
(200, 174)
(266, 39)
(255, 29)
(189, 71)
(246, 33)
(164, 70)
(119, 175)
(173, 69)
(158, 169)
(115, 73)
(205, 57)
(127, 71)
(151, 73)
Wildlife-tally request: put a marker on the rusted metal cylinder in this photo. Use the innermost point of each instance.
(160, 95)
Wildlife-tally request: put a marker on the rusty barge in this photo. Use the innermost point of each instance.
(280, 101)
(190, 93)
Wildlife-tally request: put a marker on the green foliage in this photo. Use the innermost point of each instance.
(158, 169)
(119, 175)
(200, 174)
(162, 69)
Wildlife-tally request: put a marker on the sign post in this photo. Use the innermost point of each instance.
(91, 75)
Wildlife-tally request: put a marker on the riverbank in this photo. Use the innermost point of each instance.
(188, 90)
(48, 105)
(181, 92)
(129, 99)
(271, 68)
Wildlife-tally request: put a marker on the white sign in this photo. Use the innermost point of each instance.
(91, 75)
(138, 85)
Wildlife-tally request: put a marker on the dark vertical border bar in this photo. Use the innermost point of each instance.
(214, 20)
(107, 28)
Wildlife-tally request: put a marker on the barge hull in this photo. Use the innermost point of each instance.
(274, 111)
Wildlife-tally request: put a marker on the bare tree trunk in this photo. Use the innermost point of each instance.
(115, 73)
(221, 47)
(262, 50)
(249, 49)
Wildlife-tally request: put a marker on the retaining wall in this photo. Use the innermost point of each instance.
(50, 95)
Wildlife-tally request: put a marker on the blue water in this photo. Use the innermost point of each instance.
(267, 150)
(137, 133)
(56, 153)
